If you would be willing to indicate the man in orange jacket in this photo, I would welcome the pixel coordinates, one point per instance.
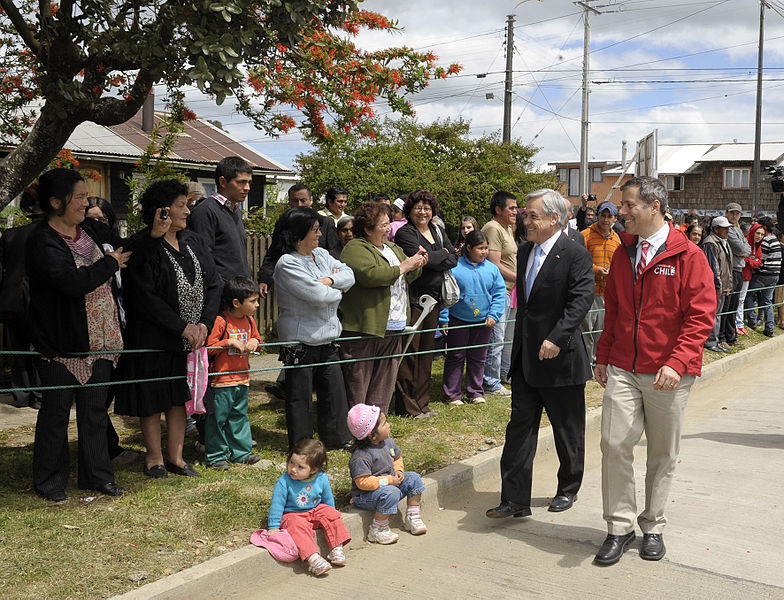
(660, 305)
(602, 242)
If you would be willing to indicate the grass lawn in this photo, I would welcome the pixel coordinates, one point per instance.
(107, 546)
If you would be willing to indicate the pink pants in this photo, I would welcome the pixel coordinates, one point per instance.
(302, 525)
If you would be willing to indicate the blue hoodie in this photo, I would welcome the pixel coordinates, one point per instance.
(482, 292)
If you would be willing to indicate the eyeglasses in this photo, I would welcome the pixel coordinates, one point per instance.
(423, 208)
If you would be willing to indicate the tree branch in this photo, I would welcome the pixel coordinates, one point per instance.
(45, 9)
(21, 26)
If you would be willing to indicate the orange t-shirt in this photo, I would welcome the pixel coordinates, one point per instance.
(228, 359)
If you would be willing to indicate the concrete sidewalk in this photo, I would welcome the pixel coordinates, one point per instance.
(723, 540)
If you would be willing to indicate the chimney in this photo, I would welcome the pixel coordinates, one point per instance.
(148, 113)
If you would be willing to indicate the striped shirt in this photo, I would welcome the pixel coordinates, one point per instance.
(771, 257)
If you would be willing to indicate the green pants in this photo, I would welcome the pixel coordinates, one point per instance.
(227, 432)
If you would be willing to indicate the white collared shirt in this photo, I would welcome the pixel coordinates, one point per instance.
(656, 241)
(546, 246)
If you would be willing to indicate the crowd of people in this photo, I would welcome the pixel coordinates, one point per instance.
(548, 298)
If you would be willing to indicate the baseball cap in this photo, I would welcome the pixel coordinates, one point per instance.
(720, 222)
(734, 206)
(607, 205)
(280, 545)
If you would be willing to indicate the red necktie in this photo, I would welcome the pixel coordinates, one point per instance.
(643, 259)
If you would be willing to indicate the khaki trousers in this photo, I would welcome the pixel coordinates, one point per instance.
(631, 406)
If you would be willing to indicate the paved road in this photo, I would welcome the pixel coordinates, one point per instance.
(723, 539)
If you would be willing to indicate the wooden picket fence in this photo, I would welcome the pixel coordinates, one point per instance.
(267, 317)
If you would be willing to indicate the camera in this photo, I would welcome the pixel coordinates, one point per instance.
(776, 173)
(591, 197)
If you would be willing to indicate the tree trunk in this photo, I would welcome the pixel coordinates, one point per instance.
(33, 155)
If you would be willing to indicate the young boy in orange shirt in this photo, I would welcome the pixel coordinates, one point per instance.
(234, 336)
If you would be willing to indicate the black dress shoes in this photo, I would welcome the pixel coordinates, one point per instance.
(652, 546)
(156, 471)
(562, 502)
(508, 509)
(613, 548)
(58, 496)
(186, 471)
(110, 489)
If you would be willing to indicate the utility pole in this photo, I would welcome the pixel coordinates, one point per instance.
(585, 182)
(507, 131)
(755, 189)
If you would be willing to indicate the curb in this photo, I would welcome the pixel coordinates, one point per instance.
(233, 573)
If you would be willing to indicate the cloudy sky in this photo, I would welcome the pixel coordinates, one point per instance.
(685, 67)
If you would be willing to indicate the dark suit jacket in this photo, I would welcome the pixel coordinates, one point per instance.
(575, 236)
(560, 298)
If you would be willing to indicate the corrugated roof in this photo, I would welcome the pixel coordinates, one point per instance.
(679, 158)
(90, 138)
(769, 151)
(201, 142)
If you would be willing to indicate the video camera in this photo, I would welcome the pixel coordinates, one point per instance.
(776, 173)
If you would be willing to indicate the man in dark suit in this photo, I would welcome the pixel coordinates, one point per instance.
(549, 363)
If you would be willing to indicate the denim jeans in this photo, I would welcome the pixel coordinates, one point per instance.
(763, 298)
(385, 499)
(492, 377)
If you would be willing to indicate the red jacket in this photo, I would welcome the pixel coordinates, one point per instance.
(665, 316)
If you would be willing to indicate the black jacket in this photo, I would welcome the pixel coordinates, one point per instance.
(560, 298)
(440, 258)
(150, 293)
(223, 231)
(57, 320)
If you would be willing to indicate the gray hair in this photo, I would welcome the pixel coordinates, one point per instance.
(552, 204)
(650, 189)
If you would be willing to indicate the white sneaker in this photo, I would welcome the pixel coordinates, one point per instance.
(502, 392)
(415, 524)
(337, 556)
(317, 565)
(382, 536)
(478, 400)
(457, 402)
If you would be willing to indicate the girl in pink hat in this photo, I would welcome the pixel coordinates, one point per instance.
(379, 479)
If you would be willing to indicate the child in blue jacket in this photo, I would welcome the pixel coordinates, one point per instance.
(482, 302)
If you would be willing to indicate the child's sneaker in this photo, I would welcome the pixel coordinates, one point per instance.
(317, 565)
(382, 536)
(415, 524)
(337, 556)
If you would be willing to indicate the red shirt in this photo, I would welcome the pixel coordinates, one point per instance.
(226, 358)
(665, 316)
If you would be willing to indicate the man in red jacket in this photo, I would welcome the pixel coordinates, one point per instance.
(660, 305)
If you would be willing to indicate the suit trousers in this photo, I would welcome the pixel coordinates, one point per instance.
(370, 381)
(413, 378)
(301, 526)
(593, 321)
(50, 453)
(565, 408)
(332, 408)
(631, 406)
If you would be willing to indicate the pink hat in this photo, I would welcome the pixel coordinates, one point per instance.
(280, 545)
(362, 418)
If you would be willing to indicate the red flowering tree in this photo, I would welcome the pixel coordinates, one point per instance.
(79, 60)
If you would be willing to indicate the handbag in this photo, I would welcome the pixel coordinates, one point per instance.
(450, 291)
(198, 381)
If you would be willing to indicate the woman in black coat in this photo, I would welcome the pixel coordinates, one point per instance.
(73, 322)
(420, 233)
(171, 292)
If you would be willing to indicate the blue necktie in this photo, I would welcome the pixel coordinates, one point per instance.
(531, 277)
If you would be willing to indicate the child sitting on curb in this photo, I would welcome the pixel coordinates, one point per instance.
(379, 480)
(302, 501)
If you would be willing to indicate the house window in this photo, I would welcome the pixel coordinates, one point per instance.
(563, 174)
(574, 182)
(209, 186)
(736, 178)
(674, 183)
(596, 174)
